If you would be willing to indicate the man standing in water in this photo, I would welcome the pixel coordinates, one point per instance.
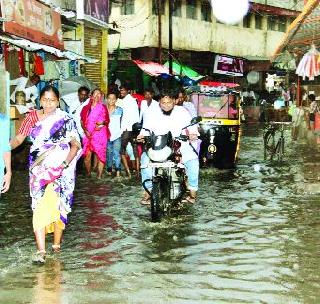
(130, 116)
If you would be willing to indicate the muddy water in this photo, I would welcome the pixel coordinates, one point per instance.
(253, 237)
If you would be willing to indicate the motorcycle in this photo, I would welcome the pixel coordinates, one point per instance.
(168, 173)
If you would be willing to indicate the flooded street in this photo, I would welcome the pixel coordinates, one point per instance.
(253, 237)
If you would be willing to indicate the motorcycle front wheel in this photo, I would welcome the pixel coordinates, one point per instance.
(157, 195)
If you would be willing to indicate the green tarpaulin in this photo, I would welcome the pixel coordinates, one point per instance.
(183, 70)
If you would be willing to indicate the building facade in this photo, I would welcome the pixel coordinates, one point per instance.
(197, 35)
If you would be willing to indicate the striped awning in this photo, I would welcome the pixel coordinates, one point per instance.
(302, 32)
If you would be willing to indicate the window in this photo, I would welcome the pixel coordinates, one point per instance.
(272, 23)
(205, 11)
(247, 21)
(155, 8)
(192, 9)
(127, 7)
(177, 4)
(258, 22)
(282, 24)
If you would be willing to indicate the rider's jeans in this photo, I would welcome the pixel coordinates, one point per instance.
(192, 171)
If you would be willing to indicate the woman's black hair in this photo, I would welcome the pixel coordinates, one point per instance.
(96, 89)
(50, 88)
(115, 93)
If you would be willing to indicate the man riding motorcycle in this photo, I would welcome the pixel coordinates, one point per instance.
(169, 117)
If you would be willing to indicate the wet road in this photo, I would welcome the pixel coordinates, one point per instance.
(253, 237)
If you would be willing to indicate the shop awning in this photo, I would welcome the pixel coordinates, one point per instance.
(151, 68)
(302, 32)
(183, 70)
(216, 84)
(33, 47)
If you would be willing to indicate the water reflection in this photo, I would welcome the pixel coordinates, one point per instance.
(252, 238)
(47, 284)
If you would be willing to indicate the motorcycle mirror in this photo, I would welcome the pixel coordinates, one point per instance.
(196, 120)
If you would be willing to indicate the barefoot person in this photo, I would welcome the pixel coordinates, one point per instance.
(53, 156)
(95, 121)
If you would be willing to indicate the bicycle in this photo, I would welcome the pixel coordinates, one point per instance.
(274, 141)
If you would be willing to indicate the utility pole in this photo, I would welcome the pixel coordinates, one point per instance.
(159, 31)
(170, 35)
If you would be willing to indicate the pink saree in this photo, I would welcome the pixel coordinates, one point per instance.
(97, 142)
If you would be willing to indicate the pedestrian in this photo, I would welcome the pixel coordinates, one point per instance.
(129, 118)
(53, 155)
(183, 100)
(114, 144)
(95, 121)
(313, 109)
(148, 103)
(5, 155)
(81, 100)
(29, 87)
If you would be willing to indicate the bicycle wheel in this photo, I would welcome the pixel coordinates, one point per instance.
(269, 144)
(280, 149)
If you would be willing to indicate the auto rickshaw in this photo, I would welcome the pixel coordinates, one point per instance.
(219, 107)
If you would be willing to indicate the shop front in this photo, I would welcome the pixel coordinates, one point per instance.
(33, 55)
(94, 31)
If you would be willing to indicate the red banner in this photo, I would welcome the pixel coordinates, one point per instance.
(32, 20)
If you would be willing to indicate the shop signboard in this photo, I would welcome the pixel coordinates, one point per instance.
(228, 65)
(95, 11)
(32, 20)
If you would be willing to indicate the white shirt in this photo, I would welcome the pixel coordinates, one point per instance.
(20, 83)
(115, 123)
(72, 101)
(76, 115)
(130, 113)
(161, 124)
(154, 105)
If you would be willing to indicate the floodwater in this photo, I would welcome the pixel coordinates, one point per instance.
(253, 237)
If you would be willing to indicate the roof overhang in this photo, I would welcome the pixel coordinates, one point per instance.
(33, 47)
(302, 32)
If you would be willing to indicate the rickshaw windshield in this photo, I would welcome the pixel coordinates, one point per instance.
(216, 106)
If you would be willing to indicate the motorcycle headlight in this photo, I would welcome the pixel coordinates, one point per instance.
(159, 155)
(206, 127)
(212, 131)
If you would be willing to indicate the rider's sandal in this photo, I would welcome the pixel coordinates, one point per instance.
(189, 199)
(56, 248)
(39, 257)
(146, 201)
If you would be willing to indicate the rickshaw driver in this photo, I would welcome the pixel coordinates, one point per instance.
(170, 117)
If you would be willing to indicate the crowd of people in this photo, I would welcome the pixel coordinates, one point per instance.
(100, 130)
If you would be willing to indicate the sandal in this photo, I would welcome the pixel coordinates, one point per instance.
(39, 257)
(56, 248)
(146, 201)
(189, 199)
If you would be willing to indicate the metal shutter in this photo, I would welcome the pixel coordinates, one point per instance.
(93, 70)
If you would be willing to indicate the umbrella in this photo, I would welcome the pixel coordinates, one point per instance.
(151, 68)
(309, 66)
(73, 83)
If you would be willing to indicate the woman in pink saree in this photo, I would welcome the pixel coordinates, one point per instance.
(95, 121)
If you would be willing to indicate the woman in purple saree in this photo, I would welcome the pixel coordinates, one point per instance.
(53, 156)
